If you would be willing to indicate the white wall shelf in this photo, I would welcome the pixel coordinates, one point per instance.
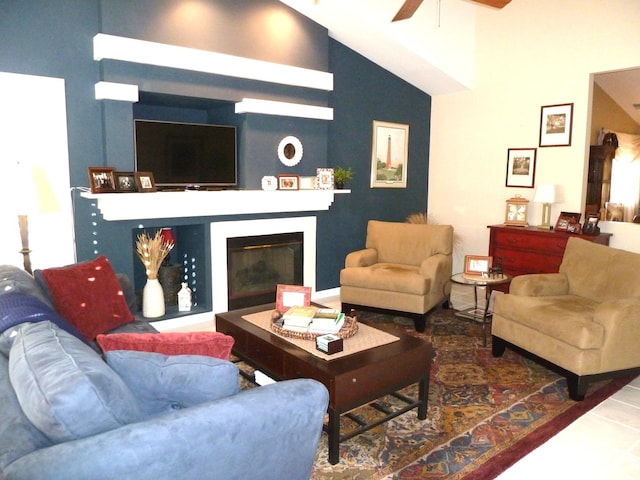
(140, 206)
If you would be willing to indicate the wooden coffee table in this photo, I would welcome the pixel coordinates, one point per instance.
(352, 380)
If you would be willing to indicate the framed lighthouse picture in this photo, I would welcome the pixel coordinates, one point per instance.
(389, 155)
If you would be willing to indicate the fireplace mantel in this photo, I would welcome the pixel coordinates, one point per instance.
(137, 206)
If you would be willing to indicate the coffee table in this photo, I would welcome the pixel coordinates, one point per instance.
(352, 381)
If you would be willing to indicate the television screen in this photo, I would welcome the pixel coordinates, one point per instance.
(186, 154)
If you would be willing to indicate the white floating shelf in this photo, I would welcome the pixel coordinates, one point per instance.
(140, 206)
(160, 54)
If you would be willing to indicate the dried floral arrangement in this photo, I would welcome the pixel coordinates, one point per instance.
(152, 251)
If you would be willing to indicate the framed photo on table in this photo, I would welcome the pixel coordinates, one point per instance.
(288, 296)
(477, 265)
(566, 219)
(555, 125)
(102, 179)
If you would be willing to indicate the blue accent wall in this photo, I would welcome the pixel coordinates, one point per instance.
(363, 92)
(55, 39)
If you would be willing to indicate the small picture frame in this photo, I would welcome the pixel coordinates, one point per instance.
(324, 178)
(308, 183)
(555, 125)
(288, 182)
(288, 296)
(477, 265)
(565, 219)
(521, 167)
(126, 182)
(102, 179)
(145, 182)
(590, 226)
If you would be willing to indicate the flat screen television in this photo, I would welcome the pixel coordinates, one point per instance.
(186, 155)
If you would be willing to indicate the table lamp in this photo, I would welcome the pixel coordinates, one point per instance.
(546, 195)
(35, 196)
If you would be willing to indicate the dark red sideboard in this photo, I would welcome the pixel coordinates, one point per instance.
(523, 250)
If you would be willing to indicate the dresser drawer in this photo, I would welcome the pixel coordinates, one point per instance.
(518, 262)
(266, 355)
(539, 243)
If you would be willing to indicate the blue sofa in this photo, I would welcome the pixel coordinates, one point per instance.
(67, 412)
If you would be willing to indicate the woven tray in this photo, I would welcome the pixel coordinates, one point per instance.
(349, 329)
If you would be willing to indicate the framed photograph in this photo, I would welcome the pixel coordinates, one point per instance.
(126, 182)
(102, 179)
(145, 182)
(521, 167)
(477, 265)
(555, 125)
(288, 296)
(590, 226)
(269, 182)
(565, 219)
(288, 182)
(324, 178)
(389, 155)
(308, 183)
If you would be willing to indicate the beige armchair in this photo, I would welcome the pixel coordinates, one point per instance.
(405, 268)
(583, 321)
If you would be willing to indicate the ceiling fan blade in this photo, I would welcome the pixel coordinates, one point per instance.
(407, 10)
(493, 3)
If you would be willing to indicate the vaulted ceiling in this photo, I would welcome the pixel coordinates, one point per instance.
(432, 50)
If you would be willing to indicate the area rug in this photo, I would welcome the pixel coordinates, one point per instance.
(484, 413)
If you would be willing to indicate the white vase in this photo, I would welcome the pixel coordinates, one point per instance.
(152, 299)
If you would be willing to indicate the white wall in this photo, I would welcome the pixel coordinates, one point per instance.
(529, 54)
(33, 133)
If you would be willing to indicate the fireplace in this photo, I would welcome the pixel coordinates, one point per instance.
(256, 264)
(260, 267)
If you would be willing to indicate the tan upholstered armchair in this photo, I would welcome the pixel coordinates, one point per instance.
(405, 268)
(583, 321)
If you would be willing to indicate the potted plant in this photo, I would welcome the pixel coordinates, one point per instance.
(341, 176)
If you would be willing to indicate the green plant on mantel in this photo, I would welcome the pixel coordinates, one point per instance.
(341, 176)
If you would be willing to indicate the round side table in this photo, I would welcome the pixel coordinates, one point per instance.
(489, 283)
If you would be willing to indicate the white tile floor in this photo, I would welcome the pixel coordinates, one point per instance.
(602, 444)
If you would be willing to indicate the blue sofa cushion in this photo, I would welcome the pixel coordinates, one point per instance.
(17, 308)
(168, 382)
(18, 436)
(64, 387)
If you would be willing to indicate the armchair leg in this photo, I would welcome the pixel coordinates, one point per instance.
(498, 346)
(577, 386)
(420, 323)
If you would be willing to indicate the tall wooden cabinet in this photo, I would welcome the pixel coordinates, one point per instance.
(599, 178)
(522, 250)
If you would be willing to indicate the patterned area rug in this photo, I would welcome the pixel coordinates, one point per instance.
(481, 410)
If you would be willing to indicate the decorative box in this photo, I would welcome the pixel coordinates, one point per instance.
(329, 343)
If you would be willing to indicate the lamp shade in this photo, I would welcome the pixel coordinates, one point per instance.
(545, 193)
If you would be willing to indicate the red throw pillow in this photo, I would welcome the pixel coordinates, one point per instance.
(210, 344)
(89, 296)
